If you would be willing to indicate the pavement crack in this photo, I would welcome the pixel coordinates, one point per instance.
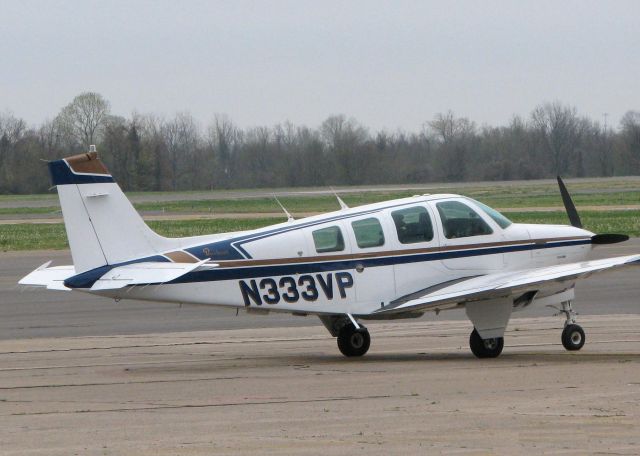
(224, 404)
(141, 382)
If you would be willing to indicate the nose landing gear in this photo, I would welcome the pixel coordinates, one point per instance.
(573, 337)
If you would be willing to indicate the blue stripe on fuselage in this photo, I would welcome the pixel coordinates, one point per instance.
(248, 272)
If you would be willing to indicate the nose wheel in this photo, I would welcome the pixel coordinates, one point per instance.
(353, 341)
(572, 335)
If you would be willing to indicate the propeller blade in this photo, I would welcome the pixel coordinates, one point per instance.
(574, 218)
(611, 238)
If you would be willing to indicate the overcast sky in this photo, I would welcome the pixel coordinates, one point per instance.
(388, 64)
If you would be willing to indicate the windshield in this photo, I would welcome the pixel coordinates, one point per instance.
(497, 217)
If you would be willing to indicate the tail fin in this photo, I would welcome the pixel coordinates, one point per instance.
(102, 225)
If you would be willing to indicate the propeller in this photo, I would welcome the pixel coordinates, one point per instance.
(572, 212)
(574, 219)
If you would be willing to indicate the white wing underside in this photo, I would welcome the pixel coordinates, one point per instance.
(503, 285)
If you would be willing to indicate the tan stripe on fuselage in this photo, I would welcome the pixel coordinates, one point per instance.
(387, 253)
(180, 256)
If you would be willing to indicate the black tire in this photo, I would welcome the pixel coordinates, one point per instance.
(573, 337)
(352, 341)
(485, 348)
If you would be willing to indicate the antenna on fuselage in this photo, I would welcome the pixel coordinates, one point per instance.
(289, 216)
(342, 204)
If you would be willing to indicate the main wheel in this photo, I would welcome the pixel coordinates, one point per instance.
(573, 337)
(352, 341)
(485, 348)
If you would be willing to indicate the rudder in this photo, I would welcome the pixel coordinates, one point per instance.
(102, 225)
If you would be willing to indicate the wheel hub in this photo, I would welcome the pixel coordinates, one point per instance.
(490, 344)
(576, 338)
(357, 340)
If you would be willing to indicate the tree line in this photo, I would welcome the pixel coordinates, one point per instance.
(152, 153)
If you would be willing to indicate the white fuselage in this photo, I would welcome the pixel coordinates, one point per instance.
(304, 267)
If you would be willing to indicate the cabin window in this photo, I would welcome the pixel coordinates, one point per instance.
(459, 220)
(368, 232)
(413, 225)
(497, 217)
(328, 239)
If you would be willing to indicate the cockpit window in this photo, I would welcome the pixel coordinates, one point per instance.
(413, 225)
(368, 232)
(328, 239)
(459, 220)
(497, 217)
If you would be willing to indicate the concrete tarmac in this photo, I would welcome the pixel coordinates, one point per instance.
(289, 392)
(40, 313)
(84, 375)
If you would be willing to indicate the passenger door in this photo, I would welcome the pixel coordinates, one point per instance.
(374, 276)
(477, 236)
(417, 265)
(331, 284)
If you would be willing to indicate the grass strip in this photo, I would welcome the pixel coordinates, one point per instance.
(302, 204)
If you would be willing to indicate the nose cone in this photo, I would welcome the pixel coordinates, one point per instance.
(556, 231)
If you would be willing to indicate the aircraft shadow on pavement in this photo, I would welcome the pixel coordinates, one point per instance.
(315, 361)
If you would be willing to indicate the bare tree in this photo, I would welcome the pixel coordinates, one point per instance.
(12, 127)
(150, 153)
(181, 137)
(455, 135)
(447, 127)
(344, 137)
(49, 136)
(630, 138)
(560, 129)
(85, 117)
(222, 136)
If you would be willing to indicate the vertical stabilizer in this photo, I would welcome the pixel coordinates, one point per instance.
(102, 225)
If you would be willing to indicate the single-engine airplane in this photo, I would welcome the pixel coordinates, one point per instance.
(390, 260)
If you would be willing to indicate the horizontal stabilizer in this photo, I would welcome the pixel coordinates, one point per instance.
(145, 273)
(50, 278)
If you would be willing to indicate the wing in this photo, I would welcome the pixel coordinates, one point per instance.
(501, 285)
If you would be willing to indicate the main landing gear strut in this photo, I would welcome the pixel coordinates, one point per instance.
(572, 335)
(353, 341)
(353, 338)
